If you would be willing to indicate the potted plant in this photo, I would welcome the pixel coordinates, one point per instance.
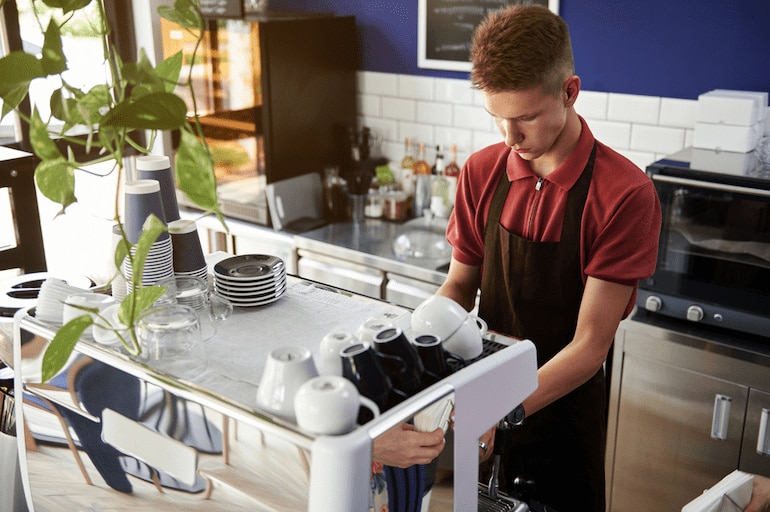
(138, 97)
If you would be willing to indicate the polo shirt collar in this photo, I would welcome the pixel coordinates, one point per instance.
(568, 172)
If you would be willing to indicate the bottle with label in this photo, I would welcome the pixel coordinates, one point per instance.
(439, 161)
(422, 187)
(439, 198)
(452, 172)
(407, 168)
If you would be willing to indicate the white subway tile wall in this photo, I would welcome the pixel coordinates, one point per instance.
(448, 111)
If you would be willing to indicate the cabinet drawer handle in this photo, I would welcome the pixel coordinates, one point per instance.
(763, 439)
(721, 417)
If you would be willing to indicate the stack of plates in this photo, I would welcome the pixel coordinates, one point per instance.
(250, 279)
(159, 263)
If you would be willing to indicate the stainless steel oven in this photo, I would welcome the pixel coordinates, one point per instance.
(714, 256)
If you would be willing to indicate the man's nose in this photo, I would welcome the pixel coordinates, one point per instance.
(511, 133)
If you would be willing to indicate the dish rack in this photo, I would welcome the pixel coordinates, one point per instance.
(337, 468)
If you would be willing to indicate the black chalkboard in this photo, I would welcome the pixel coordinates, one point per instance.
(446, 28)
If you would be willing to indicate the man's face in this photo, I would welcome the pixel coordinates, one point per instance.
(530, 120)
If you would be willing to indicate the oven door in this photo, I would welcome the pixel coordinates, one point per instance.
(714, 255)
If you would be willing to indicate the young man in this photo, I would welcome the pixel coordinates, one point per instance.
(556, 229)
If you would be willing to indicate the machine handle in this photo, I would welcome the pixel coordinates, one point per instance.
(721, 417)
(763, 438)
(722, 187)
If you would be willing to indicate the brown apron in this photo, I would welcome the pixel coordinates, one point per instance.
(533, 290)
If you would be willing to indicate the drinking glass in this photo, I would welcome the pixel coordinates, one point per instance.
(171, 341)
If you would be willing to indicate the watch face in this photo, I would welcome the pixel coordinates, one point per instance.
(517, 416)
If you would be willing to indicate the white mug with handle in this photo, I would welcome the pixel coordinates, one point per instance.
(329, 404)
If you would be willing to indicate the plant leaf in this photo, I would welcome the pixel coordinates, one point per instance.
(42, 145)
(62, 345)
(67, 5)
(154, 111)
(169, 70)
(141, 299)
(91, 105)
(143, 76)
(195, 172)
(183, 13)
(53, 60)
(17, 70)
(56, 181)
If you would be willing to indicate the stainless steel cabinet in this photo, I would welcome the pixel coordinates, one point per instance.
(684, 412)
(341, 274)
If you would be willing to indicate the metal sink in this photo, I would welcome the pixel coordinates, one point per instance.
(423, 238)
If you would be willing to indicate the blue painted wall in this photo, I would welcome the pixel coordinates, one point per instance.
(671, 48)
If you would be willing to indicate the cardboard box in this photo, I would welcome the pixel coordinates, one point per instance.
(739, 108)
(725, 137)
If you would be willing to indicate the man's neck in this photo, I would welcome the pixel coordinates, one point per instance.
(562, 147)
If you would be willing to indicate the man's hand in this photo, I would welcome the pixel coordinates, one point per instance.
(402, 446)
(760, 497)
(486, 444)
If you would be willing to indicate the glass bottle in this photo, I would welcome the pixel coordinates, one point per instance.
(335, 195)
(422, 186)
(440, 204)
(452, 169)
(439, 163)
(420, 164)
(406, 180)
(452, 173)
(408, 161)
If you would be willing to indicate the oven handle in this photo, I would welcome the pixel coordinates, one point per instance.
(711, 185)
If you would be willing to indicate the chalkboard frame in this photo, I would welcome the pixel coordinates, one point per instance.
(451, 63)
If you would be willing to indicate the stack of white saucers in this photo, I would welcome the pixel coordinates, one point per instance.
(53, 292)
(250, 279)
(159, 263)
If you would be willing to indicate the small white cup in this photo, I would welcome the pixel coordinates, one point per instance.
(107, 333)
(329, 350)
(438, 315)
(371, 327)
(329, 404)
(74, 303)
(467, 341)
(286, 369)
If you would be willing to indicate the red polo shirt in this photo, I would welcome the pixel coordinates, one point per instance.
(621, 218)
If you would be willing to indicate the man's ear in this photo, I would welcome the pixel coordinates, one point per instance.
(571, 90)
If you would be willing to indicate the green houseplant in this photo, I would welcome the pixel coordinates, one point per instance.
(138, 97)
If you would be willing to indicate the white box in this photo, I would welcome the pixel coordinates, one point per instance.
(723, 162)
(725, 137)
(730, 107)
(761, 97)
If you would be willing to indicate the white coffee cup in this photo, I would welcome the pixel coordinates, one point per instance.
(371, 327)
(467, 341)
(329, 405)
(286, 369)
(331, 344)
(438, 315)
(461, 332)
(108, 329)
(73, 305)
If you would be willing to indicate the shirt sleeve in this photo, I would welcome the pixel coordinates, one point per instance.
(625, 249)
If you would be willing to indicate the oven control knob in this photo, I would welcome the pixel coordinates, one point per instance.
(653, 303)
(695, 313)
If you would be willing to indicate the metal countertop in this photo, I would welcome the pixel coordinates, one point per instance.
(370, 243)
